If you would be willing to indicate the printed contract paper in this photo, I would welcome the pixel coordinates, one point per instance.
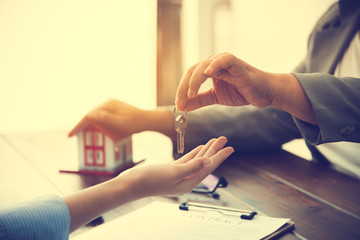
(160, 220)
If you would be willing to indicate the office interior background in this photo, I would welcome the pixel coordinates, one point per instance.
(60, 59)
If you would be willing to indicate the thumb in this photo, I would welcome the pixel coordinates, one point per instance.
(195, 166)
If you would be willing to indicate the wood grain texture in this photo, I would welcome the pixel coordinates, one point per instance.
(283, 185)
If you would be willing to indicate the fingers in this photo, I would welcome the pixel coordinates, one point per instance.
(93, 116)
(105, 120)
(187, 157)
(190, 84)
(216, 147)
(218, 64)
(201, 100)
(215, 152)
(181, 94)
(196, 76)
(191, 173)
(215, 161)
(207, 150)
(202, 152)
(209, 165)
(220, 156)
(212, 147)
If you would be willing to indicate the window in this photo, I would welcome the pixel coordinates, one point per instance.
(98, 139)
(81, 54)
(89, 157)
(88, 138)
(99, 158)
(94, 147)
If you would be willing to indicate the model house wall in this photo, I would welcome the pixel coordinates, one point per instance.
(96, 151)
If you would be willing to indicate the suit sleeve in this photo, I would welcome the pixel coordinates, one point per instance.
(336, 103)
(248, 129)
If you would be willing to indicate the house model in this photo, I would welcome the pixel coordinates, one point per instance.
(99, 153)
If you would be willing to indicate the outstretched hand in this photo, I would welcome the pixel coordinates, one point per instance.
(180, 176)
(174, 178)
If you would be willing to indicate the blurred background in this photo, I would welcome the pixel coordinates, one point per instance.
(60, 59)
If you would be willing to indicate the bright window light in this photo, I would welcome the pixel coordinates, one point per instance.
(60, 59)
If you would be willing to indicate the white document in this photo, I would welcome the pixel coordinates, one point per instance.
(160, 220)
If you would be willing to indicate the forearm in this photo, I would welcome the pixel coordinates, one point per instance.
(336, 104)
(248, 129)
(160, 120)
(290, 97)
(173, 178)
(90, 203)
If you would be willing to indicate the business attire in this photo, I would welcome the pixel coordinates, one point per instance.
(336, 101)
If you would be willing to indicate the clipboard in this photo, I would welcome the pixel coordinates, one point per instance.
(243, 214)
(287, 227)
(172, 223)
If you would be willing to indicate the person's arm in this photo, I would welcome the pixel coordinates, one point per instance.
(236, 83)
(175, 178)
(336, 103)
(46, 217)
(54, 218)
(248, 129)
(290, 97)
(258, 130)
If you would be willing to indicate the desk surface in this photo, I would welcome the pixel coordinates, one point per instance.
(323, 203)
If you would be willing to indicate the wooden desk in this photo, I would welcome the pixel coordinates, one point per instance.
(323, 203)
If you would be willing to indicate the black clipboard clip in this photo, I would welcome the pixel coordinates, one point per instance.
(244, 214)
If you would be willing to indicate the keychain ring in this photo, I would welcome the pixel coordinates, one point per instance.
(180, 111)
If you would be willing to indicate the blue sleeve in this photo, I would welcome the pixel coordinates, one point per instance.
(43, 218)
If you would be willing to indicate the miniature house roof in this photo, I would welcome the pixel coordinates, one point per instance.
(93, 126)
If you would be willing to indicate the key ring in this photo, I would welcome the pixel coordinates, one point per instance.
(180, 111)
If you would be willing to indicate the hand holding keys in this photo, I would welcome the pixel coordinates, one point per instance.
(180, 127)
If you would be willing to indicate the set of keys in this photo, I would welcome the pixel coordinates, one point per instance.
(180, 127)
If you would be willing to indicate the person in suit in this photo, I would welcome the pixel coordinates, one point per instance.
(328, 77)
(319, 101)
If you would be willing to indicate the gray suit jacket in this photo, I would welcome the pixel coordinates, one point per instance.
(336, 101)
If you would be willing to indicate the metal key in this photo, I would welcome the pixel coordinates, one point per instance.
(180, 127)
